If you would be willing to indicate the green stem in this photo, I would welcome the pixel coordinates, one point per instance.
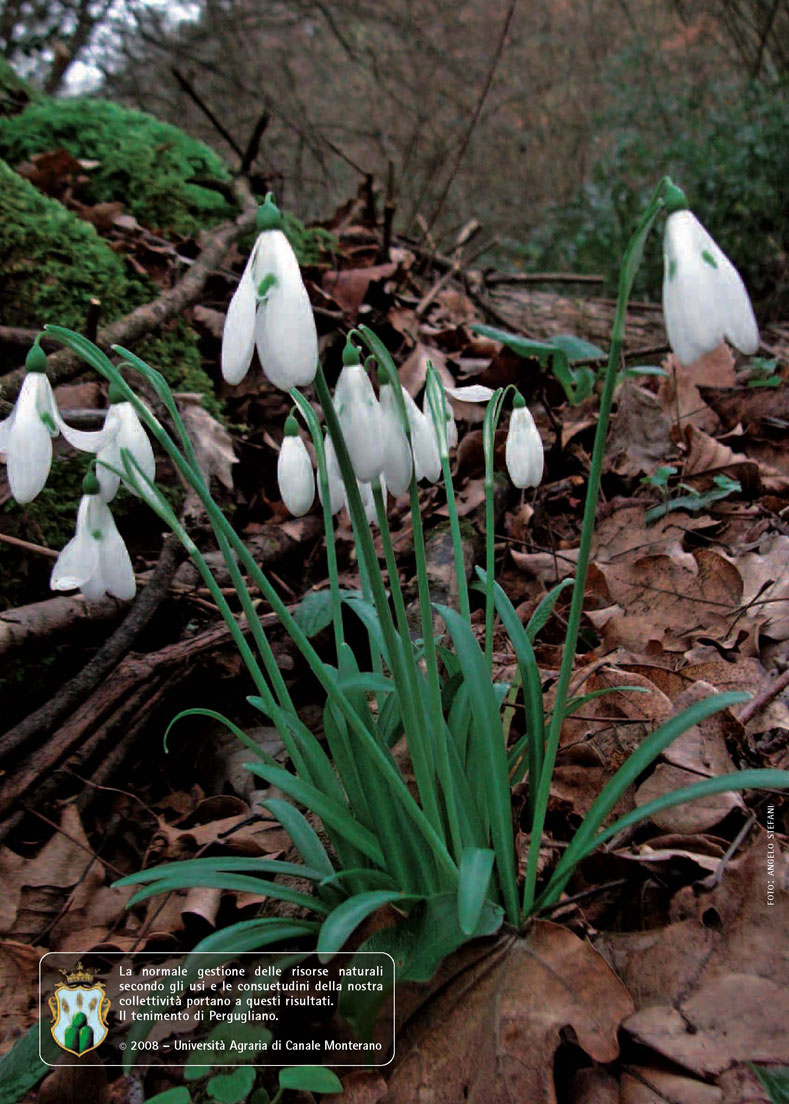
(396, 646)
(492, 415)
(438, 412)
(314, 426)
(630, 264)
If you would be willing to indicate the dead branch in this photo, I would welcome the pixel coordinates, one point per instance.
(53, 617)
(65, 365)
(48, 715)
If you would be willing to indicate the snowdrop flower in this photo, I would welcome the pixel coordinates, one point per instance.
(523, 451)
(398, 461)
(336, 485)
(26, 434)
(427, 462)
(294, 471)
(127, 433)
(359, 414)
(704, 298)
(271, 309)
(95, 560)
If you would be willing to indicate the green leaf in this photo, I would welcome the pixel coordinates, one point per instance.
(645, 370)
(310, 1079)
(340, 924)
(544, 610)
(21, 1068)
(633, 766)
(314, 613)
(577, 348)
(251, 935)
(233, 1087)
(239, 733)
(418, 945)
(331, 812)
(775, 1080)
(476, 867)
(493, 764)
(221, 864)
(179, 1095)
(303, 836)
(239, 883)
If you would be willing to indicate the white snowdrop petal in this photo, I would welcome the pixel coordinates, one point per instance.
(427, 461)
(29, 441)
(109, 482)
(359, 414)
(473, 393)
(398, 461)
(285, 334)
(238, 336)
(115, 574)
(704, 298)
(336, 486)
(294, 475)
(93, 440)
(78, 561)
(740, 325)
(523, 451)
(132, 436)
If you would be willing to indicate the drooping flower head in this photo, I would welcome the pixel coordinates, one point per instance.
(427, 461)
(271, 309)
(359, 415)
(26, 434)
(95, 560)
(127, 433)
(334, 477)
(704, 298)
(294, 471)
(398, 461)
(523, 451)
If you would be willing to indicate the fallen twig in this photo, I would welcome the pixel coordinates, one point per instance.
(756, 705)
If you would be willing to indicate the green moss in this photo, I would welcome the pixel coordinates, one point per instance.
(15, 94)
(153, 168)
(176, 355)
(53, 263)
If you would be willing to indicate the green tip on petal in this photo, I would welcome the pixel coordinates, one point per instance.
(36, 359)
(518, 401)
(675, 199)
(291, 427)
(90, 484)
(269, 216)
(350, 354)
(115, 394)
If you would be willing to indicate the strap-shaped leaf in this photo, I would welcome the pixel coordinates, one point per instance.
(493, 763)
(303, 836)
(739, 780)
(476, 867)
(331, 812)
(343, 921)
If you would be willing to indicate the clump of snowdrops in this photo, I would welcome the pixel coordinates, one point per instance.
(444, 855)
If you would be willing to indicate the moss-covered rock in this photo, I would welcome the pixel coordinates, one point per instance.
(157, 172)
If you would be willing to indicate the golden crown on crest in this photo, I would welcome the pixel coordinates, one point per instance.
(78, 976)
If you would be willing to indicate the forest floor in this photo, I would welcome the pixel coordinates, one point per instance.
(688, 593)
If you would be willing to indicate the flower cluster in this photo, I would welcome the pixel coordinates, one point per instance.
(96, 560)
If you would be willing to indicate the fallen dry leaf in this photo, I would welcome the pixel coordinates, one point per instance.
(736, 1018)
(494, 1041)
(693, 816)
(641, 1085)
(212, 443)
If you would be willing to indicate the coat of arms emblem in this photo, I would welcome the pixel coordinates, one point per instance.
(79, 1012)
